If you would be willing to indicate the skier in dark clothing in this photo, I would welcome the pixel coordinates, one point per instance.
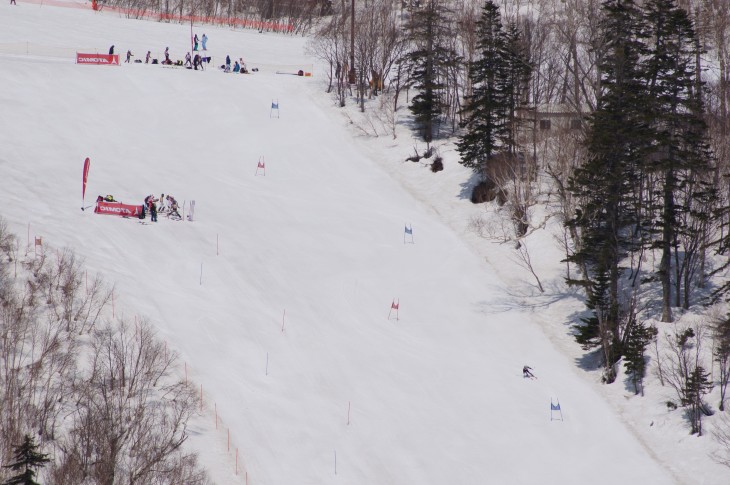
(527, 372)
(111, 51)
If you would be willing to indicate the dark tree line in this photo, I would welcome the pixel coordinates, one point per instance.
(646, 184)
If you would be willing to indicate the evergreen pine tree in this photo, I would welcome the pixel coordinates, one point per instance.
(588, 333)
(637, 338)
(518, 72)
(721, 335)
(27, 458)
(499, 76)
(603, 185)
(698, 384)
(429, 62)
(680, 155)
(485, 110)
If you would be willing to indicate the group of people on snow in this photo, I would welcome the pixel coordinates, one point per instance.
(167, 61)
(196, 61)
(238, 67)
(165, 204)
(203, 41)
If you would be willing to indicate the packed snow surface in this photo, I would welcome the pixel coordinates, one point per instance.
(279, 295)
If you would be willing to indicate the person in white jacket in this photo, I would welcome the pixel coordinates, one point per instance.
(162, 206)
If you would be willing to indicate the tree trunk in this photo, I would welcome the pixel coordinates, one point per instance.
(665, 264)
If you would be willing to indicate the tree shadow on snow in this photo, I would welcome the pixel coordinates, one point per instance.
(467, 187)
(591, 360)
(527, 297)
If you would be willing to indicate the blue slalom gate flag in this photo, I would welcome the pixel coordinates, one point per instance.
(409, 230)
(555, 408)
(274, 106)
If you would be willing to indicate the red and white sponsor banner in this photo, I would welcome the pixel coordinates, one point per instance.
(118, 209)
(98, 59)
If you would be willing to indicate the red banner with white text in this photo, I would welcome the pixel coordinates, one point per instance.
(118, 209)
(97, 59)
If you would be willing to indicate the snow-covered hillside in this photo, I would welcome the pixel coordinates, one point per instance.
(278, 295)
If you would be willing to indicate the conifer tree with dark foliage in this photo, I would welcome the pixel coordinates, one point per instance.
(27, 458)
(680, 154)
(429, 62)
(638, 336)
(721, 336)
(698, 384)
(602, 186)
(499, 77)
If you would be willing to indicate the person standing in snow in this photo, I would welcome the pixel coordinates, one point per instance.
(111, 50)
(147, 58)
(129, 56)
(12, 2)
(527, 372)
(228, 64)
(187, 59)
(151, 206)
(195, 42)
(204, 40)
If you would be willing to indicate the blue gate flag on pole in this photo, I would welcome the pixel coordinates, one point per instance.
(408, 231)
(274, 106)
(555, 409)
